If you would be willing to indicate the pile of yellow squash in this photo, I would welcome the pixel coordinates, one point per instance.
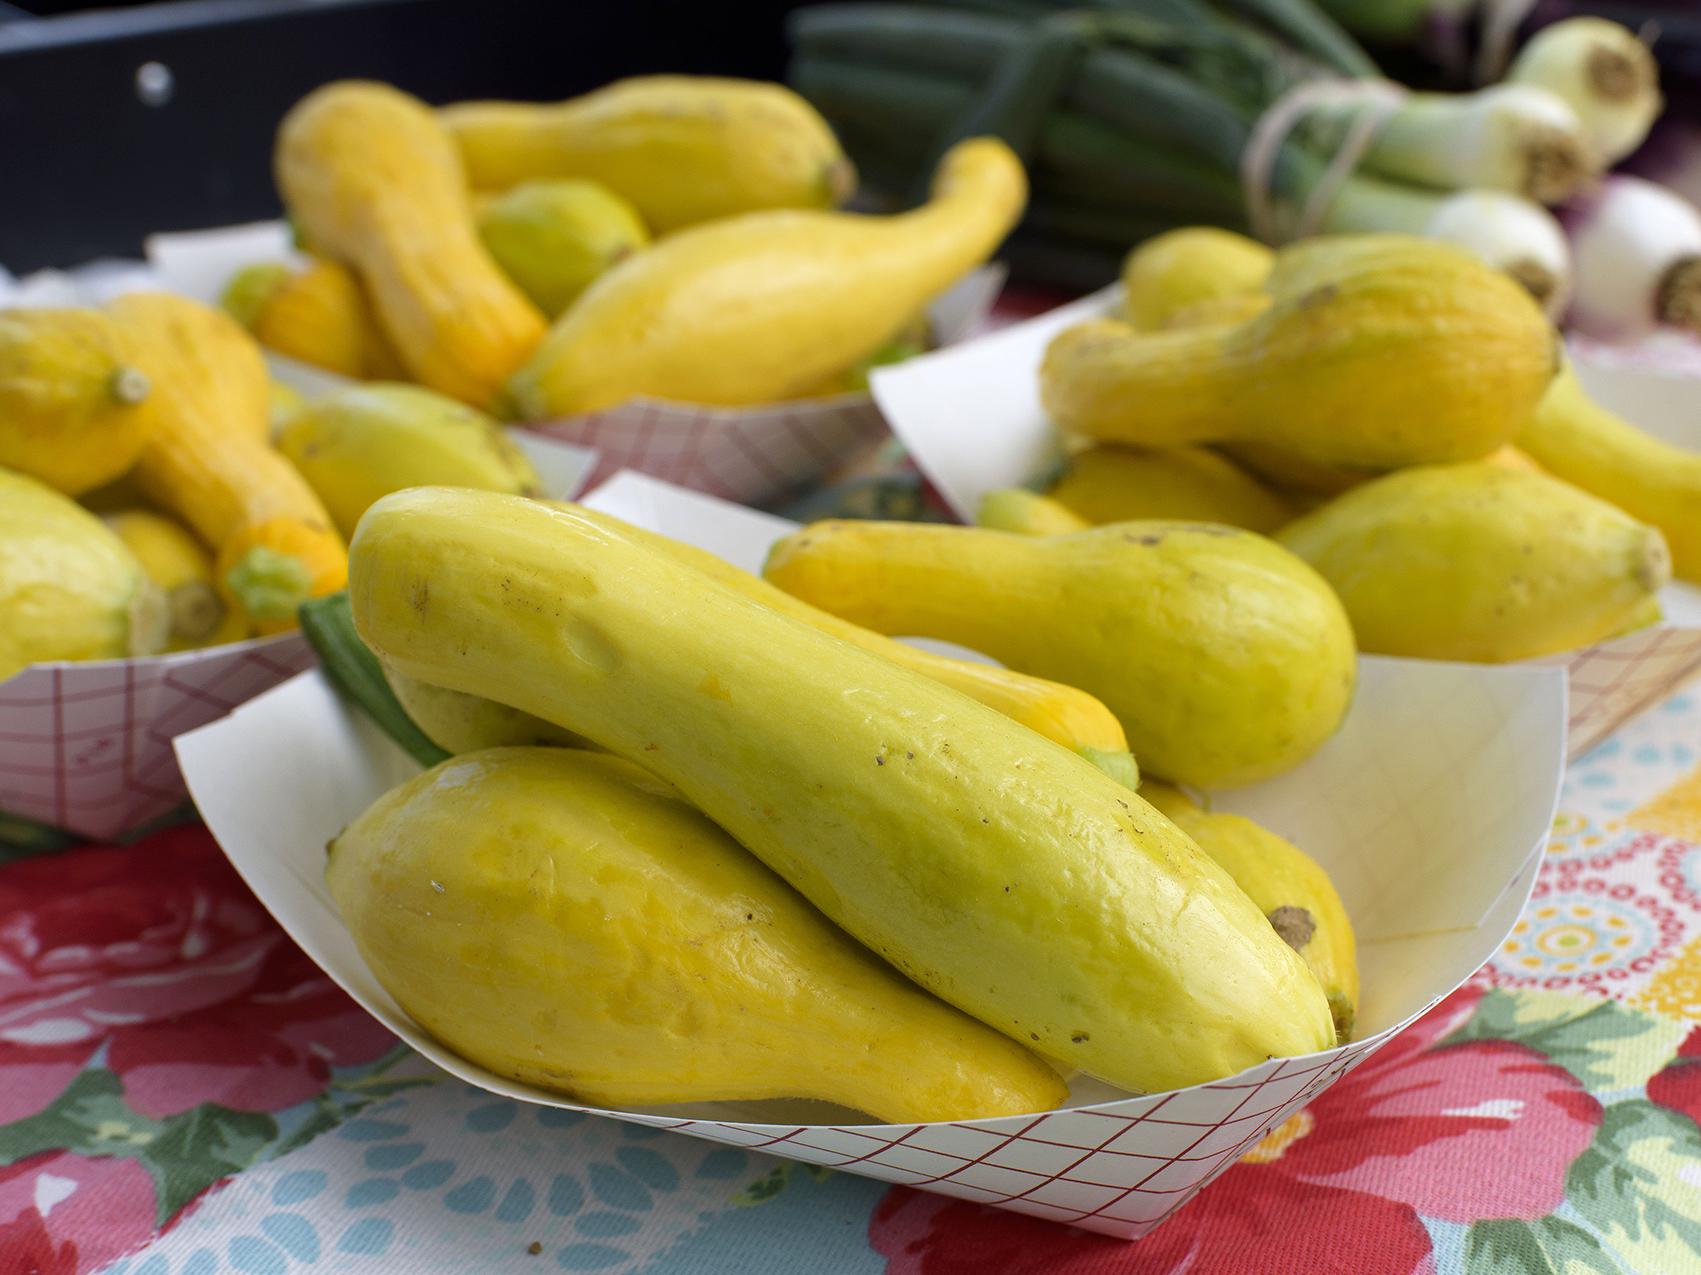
(1391, 411)
(669, 237)
(707, 835)
(155, 411)
(158, 499)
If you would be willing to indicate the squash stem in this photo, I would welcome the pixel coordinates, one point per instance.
(269, 585)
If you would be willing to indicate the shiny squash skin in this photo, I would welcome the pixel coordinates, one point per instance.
(566, 919)
(1225, 657)
(373, 181)
(999, 870)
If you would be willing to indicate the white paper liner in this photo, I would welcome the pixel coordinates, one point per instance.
(971, 418)
(86, 745)
(1430, 810)
(754, 455)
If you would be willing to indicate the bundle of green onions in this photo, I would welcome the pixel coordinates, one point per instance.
(1136, 116)
(1635, 239)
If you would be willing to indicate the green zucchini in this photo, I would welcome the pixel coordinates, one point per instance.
(328, 625)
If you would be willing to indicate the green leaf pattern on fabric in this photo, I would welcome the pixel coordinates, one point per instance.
(1639, 1186)
(201, 1146)
(1547, 1246)
(90, 1118)
(1635, 1192)
(1605, 1044)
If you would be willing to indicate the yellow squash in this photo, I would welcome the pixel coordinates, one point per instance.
(1027, 513)
(555, 238)
(1218, 311)
(461, 723)
(683, 149)
(69, 589)
(72, 406)
(373, 181)
(1371, 356)
(1225, 657)
(1061, 713)
(1119, 484)
(1290, 886)
(1188, 270)
(286, 401)
(1577, 439)
(318, 316)
(566, 920)
(1304, 484)
(769, 305)
(994, 867)
(1481, 562)
(1298, 480)
(210, 463)
(366, 441)
(183, 569)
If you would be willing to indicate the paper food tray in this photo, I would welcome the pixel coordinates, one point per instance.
(85, 745)
(1430, 810)
(754, 455)
(971, 418)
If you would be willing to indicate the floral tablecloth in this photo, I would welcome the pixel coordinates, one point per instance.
(182, 1093)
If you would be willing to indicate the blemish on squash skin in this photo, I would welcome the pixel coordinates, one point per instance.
(419, 594)
(711, 686)
(1295, 925)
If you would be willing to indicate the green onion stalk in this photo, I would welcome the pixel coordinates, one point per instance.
(1135, 117)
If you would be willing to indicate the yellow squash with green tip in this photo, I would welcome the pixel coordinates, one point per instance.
(210, 460)
(1481, 562)
(567, 920)
(994, 867)
(1226, 659)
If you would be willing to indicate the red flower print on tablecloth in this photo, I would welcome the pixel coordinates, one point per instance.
(65, 1214)
(1678, 1085)
(1339, 1187)
(160, 952)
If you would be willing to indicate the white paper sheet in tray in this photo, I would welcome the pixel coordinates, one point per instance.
(1430, 810)
(750, 454)
(971, 418)
(86, 745)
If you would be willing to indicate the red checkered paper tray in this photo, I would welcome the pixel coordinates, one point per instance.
(86, 745)
(754, 455)
(971, 418)
(1429, 809)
